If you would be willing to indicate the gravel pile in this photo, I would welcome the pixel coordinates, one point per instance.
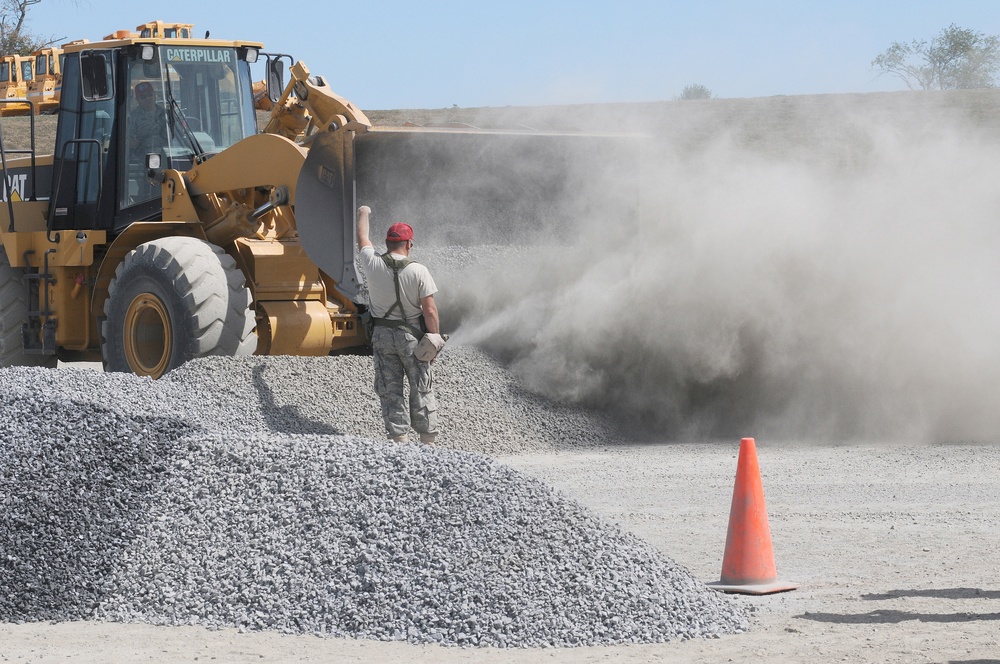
(481, 407)
(195, 500)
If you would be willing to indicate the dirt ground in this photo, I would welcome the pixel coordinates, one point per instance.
(895, 547)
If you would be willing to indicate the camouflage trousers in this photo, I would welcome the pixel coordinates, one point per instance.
(394, 364)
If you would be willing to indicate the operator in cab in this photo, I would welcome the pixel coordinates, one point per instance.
(406, 336)
(147, 123)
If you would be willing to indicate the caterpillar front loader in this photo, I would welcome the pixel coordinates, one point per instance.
(165, 227)
(46, 83)
(16, 73)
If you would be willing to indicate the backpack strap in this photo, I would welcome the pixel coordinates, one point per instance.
(397, 265)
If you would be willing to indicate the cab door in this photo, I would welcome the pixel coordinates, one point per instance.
(84, 142)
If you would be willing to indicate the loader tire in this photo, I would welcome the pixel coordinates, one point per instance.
(13, 314)
(171, 300)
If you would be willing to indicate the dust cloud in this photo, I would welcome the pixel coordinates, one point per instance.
(830, 283)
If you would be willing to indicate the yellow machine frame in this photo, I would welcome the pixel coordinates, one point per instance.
(46, 83)
(223, 201)
(15, 86)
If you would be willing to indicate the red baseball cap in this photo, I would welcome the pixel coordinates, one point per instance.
(399, 232)
(143, 90)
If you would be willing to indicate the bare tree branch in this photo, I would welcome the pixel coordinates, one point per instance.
(15, 38)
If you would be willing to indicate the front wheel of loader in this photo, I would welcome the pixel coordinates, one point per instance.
(13, 314)
(171, 300)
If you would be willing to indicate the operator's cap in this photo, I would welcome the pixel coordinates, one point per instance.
(143, 90)
(399, 232)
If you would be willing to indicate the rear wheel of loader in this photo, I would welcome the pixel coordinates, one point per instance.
(174, 299)
(13, 314)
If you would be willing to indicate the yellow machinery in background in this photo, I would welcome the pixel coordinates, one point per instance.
(46, 84)
(260, 99)
(16, 72)
(159, 29)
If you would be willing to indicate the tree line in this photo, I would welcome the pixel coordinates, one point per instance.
(954, 59)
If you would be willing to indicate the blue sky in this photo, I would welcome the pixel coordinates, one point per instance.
(434, 54)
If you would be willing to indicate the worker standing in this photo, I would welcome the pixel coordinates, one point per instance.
(401, 298)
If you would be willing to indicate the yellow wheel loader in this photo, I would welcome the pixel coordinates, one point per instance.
(46, 85)
(164, 227)
(16, 73)
(161, 228)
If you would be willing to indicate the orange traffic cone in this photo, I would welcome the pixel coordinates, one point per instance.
(748, 564)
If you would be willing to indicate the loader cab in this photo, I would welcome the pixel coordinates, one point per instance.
(8, 77)
(44, 89)
(182, 101)
(16, 72)
(166, 30)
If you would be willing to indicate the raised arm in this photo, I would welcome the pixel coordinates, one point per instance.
(363, 212)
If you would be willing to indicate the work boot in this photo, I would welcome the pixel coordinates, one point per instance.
(401, 438)
(428, 438)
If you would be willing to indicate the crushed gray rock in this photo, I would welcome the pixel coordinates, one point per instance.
(237, 492)
(481, 406)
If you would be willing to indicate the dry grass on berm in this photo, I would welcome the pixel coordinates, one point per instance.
(813, 123)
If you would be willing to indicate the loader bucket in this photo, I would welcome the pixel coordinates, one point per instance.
(324, 208)
(458, 187)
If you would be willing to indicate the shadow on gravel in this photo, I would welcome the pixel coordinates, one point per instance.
(973, 661)
(287, 419)
(892, 617)
(941, 593)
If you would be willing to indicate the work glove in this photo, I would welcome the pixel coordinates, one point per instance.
(428, 347)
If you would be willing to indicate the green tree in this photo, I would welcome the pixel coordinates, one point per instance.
(695, 91)
(15, 38)
(955, 59)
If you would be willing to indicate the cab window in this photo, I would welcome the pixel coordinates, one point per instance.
(145, 131)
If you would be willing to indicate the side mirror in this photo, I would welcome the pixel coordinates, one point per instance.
(275, 78)
(96, 76)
